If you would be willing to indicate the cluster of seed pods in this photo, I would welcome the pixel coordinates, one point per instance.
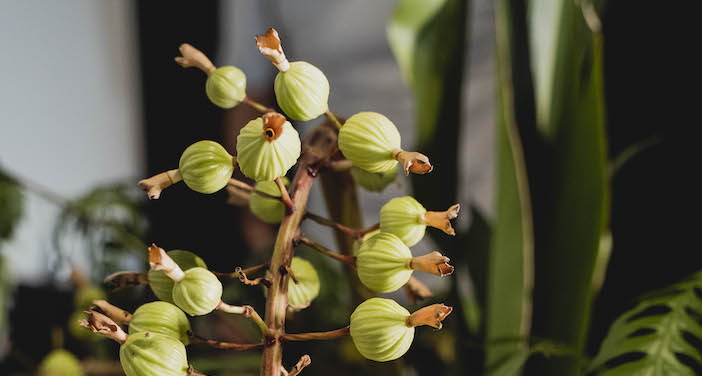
(266, 149)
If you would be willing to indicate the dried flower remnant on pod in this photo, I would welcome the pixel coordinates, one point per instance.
(408, 219)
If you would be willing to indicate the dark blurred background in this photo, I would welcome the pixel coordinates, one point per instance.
(91, 98)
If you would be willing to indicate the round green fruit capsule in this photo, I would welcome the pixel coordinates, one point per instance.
(206, 166)
(302, 91)
(404, 217)
(373, 181)
(198, 293)
(301, 294)
(163, 318)
(268, 209)
(370, 141)
(379, 329)
(383, 263)
(267, 147)
(60, 363)
(226, 86)
(357, 244)
(161, 284)
(84, 296)
(153, 354)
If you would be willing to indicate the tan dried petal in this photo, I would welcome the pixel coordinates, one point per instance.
(270, 47)
(433, 263)
(117, 314)
(159, 260)
(416, 290)
(412, 161)
(192, 57)
(155, 184)
(101, 324)
(273, 125)
(442, 220)
(431, 315)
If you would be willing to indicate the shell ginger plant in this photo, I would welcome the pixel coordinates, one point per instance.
(367, 144)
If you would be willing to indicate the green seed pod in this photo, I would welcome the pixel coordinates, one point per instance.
(267, 147)
(357, 244)
(408, 219)
(404, 217)
(370, 141)
(383, 263)
(226, 86)
(373, 181)
(379, 329)
(153, 354)
(206, 167)
(198, 293)
(60, 363)
(85, 295)
(268, 210)
(302, 91)
(301, 294)
(160, 317)
(159, 281)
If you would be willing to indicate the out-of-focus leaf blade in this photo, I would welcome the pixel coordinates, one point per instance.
(428, 40)
(11, 205)
(570, 192)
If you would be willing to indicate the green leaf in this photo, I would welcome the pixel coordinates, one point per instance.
(510, 263)
(663, 328)
(427, 38)
(568, 173)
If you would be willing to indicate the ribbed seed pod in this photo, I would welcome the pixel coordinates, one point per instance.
(267, 147)
(379, 329)
(369, 139)
(268, 210)
(163, 318)
(61, 363)
(226, 86)
(85, 295)
(147, 353)
(198, 293)
(206, 167)
(302, 91)
(301, 294)
(357, 244)
(159, 281)
(382, 263)
(404, 217)
(373, 181)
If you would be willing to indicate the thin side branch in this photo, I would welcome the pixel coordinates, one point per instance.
(120, 280)
(258, 106)
(247, 311)
(353, 233)
(317, 336)
(289, 206)
(333, 119)
(351, 260)
(301, 364)
(223, 345)
(237, 273)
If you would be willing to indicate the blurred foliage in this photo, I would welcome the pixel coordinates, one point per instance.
(661, 335)
(11, 205)
(108, 221)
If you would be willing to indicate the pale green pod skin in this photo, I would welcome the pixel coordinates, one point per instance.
(206, 167)
(373, 181)
(226, 86)
(267, 209)
(263, 160)
(368, 140)
(357, 244)
(60, 363)
(382, 263)
(301, 294)
(198, 293)
(161, 284)
(84, 297)
(404, 217)
(379, 329)
(163, 318)
(153, 354)
(302, 92)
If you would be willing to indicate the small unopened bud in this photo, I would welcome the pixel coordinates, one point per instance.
(153, 354)
(379, 329)
(198, 293)
(383, 263)
(206, 166)
(408, 219)
(157, 183)
(59, 363)
(368, 140)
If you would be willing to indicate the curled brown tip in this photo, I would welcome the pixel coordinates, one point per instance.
(433, 263)
(159, 260)
(117, 314)
(431, 315)
(412, 161)
(269, 45)
(442, 220)
(101, 324)
(192, 57)
(273, 125)
(304, 361)
(157, 183)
